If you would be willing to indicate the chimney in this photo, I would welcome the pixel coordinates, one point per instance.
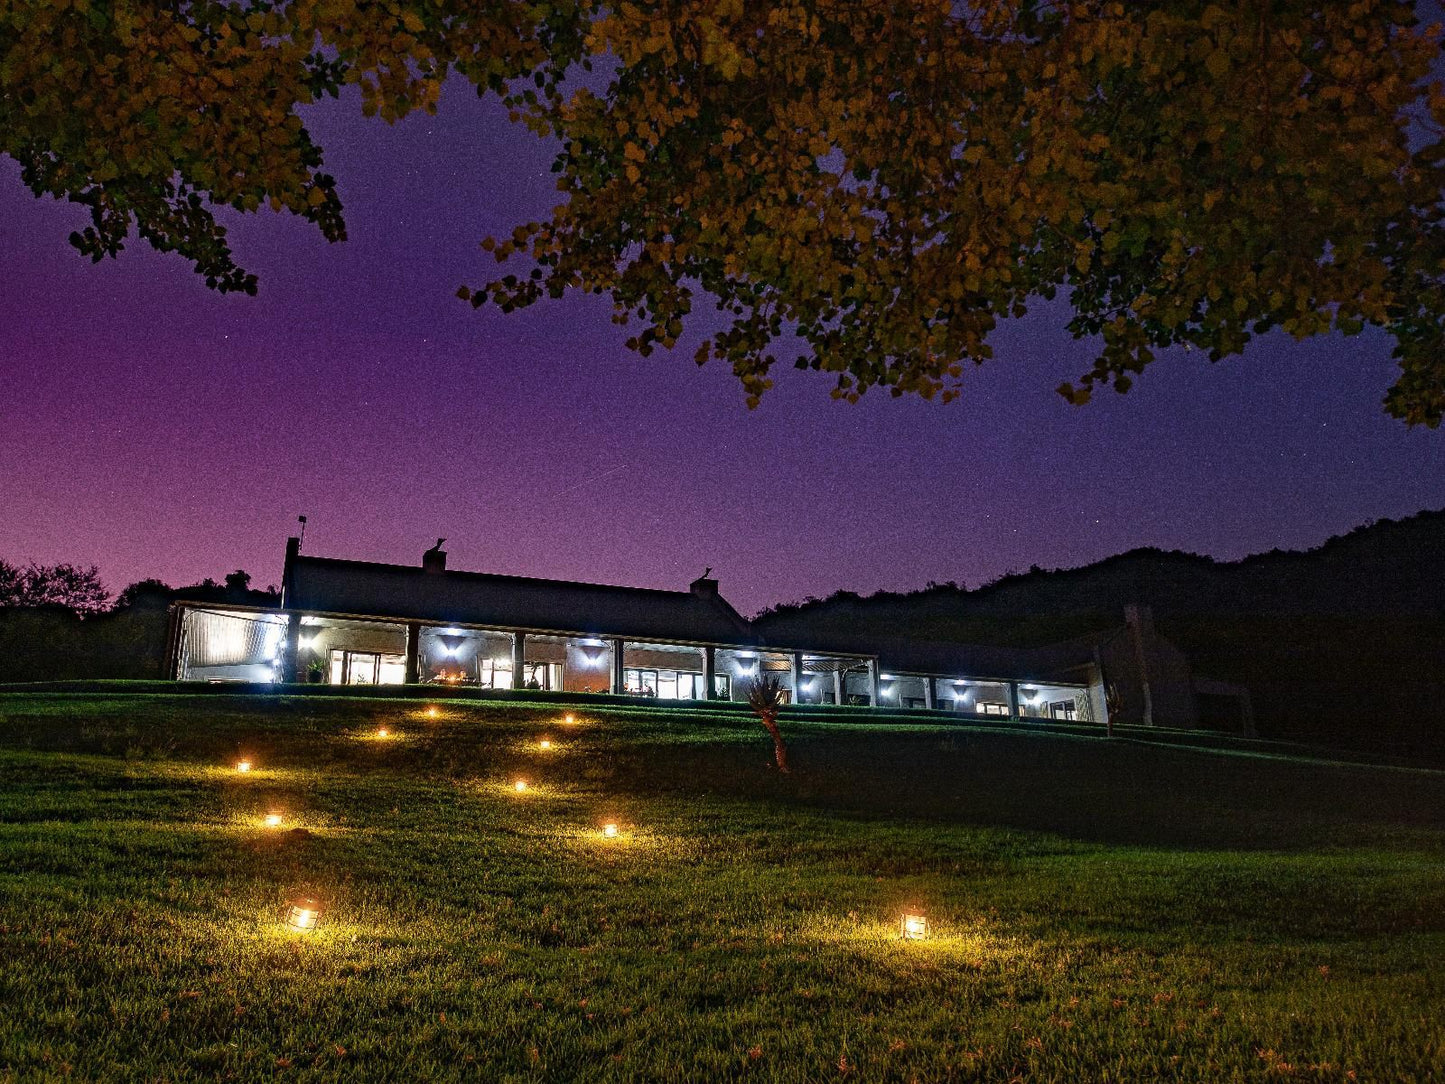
(1140, 621)
(435, 559)
(704, 586)
(293, 551)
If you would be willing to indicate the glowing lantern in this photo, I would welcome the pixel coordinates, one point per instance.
(520, 785)
(382, 732)
(305, 913)
(610, 831)
(545, 743)
(273, 820)
(431, 713)
(915, 927)
(243, 765)
(568, 719)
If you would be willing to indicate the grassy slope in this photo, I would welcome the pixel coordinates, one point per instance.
(1122, 912)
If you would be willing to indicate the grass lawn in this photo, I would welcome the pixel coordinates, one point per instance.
(1099, 911)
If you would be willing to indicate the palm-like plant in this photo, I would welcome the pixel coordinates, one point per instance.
(765, 697)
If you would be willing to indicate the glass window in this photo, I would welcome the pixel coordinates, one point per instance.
(541, 675)
(667, 684)
(1053, 702)
(690, 686)
(495, 675)
(722, 686)
(367, 668)
(639, 682)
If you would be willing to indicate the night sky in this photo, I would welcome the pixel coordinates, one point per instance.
(154, 428)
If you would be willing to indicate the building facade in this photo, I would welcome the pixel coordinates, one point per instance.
(360, 623)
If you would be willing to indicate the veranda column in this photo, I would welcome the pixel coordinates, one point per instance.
(618, 682)
(875, 690)
(928, 696)
(291, 653)
(1013, 699)
(795, 664)
(413, 653)
(519, 658)
(838, 686)
(709, 672)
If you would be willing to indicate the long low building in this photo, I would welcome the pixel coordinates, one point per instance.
(344, 622)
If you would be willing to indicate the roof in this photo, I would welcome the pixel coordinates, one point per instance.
(409, 593)
(1056, 662)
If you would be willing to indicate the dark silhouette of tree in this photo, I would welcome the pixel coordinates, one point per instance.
(141, 590)
(11, 581)
(68, 586)
(238, 582)
(880, 183)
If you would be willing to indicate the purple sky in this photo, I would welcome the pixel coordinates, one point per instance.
(154, 428)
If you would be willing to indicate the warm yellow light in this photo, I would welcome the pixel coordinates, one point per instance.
(431, 713)
(915, 927)
(382, 732)
(304, 914)
(568, 719)
(545, 743)
(273, 820)
(520, 785)
(609, 830)
(243, 765)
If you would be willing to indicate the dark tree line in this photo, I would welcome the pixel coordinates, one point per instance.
(69, 586)
(81, 590)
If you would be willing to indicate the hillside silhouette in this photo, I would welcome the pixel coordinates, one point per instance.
(1343, 643)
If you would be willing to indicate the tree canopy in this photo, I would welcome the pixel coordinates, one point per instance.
(68, 586)
(861, 187)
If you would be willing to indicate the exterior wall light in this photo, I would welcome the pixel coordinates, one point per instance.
(305, 913)
(915, 927)
(545, 743)
(609, 830)
(273, 819)
(431, 712)
(243, 765)
(520, 785)
(382, 732)
(568, 719)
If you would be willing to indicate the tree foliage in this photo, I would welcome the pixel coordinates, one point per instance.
(149, 589)
(151, 115)
(10, 584)
(69, 586)
(870, 185)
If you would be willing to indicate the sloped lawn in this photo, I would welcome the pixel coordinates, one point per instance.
(1098, 911)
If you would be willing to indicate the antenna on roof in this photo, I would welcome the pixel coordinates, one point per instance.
(302, 520)
(706, 572)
